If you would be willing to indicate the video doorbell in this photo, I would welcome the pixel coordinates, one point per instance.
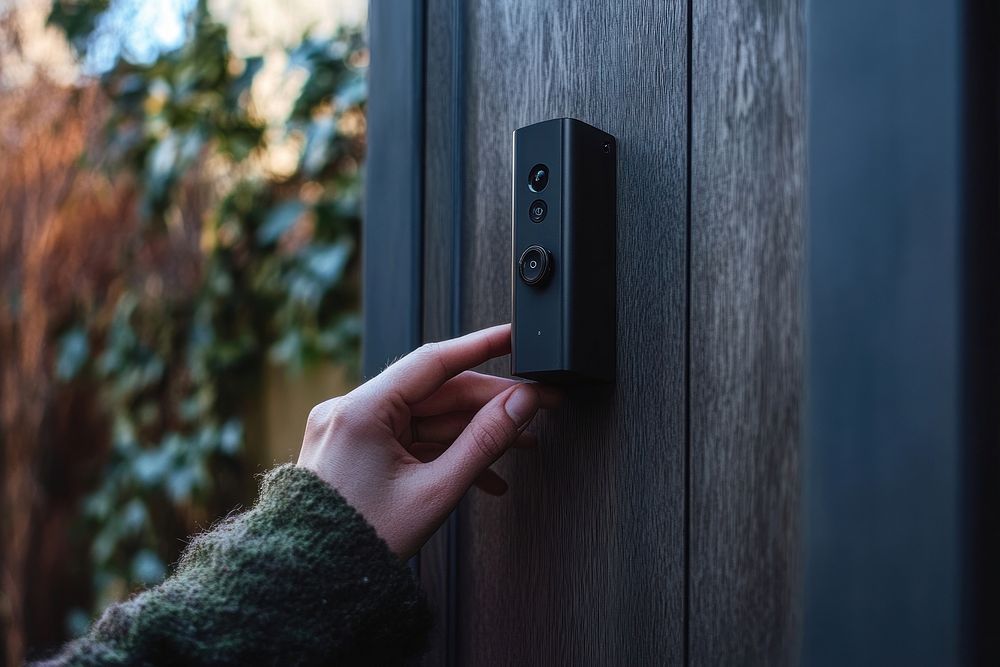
(563, 258)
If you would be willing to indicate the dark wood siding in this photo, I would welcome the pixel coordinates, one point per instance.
(586, 560)
(583, 561)
(747, 262)
(442, 271)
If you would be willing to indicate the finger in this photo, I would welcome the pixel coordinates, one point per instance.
(494, 428)
(418, 374)
(443, 429)
(487, 481)
(468, 390)
(471, 390)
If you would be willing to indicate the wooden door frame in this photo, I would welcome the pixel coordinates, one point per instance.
(397, 234)
(392, 235)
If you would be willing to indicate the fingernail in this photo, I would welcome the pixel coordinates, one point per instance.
(521, 405)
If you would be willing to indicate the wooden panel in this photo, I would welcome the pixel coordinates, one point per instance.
(747, 203)
(582, 562)
(440, 282)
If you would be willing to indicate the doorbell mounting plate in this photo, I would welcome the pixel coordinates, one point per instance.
(563, 252)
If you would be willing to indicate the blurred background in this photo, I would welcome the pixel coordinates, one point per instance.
(180, 266)
(179, 232)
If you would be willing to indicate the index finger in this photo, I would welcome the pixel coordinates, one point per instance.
(417, 375)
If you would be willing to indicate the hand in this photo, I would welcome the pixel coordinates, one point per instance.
(404, 447)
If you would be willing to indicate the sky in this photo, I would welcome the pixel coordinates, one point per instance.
(140, 29)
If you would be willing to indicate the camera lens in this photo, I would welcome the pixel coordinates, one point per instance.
(537, 210)
(534, 265)
(538, 177)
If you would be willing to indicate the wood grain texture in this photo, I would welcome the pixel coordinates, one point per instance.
(439, 272)
(747, 234)
(582, 562)
(439, 186)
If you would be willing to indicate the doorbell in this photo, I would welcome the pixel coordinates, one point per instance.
(563, 256)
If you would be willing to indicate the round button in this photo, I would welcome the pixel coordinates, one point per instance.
(534, 265)
(538, 178)
(537, 210)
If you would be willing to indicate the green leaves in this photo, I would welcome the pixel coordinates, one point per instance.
(77, 19)
(276, 274)
(279, 220)
(318, 268)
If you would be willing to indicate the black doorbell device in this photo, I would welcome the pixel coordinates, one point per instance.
(563, 258)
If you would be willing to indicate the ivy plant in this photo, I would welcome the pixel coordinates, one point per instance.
(174, 351)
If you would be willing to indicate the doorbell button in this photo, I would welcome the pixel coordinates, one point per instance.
(537, 210)
(534, 265)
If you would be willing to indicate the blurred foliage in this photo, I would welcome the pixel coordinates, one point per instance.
(176, 348)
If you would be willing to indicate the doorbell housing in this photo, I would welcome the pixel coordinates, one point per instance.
(563, 259)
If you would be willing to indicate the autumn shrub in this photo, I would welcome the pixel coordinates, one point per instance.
(160, 241)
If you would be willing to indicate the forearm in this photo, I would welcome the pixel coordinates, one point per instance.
(300, 578)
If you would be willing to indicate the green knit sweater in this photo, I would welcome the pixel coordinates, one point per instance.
(299, 579)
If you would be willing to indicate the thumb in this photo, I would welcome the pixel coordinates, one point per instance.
(490, 433)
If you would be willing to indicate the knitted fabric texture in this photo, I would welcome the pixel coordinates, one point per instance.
(299, 579)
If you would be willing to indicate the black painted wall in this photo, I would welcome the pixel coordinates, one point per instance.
(883, 448)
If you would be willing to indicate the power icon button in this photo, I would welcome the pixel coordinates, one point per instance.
(537, 210)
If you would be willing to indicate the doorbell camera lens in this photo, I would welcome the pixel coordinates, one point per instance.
(534, 265)
(537, 210)
(538, 177)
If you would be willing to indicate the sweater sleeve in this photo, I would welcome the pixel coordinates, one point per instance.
(299, 579)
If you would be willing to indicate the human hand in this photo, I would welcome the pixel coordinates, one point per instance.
(404, 447)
